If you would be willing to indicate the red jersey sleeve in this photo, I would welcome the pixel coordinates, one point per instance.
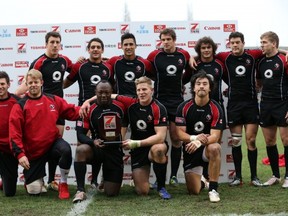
(67, 111)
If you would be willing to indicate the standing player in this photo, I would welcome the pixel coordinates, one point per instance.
(169, 63)
(199, 125)
(104, 122)
(273, 77)
(52, 65)
(8, 163)
(32, 145)
(129, 66)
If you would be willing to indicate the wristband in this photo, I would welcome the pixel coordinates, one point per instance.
(134, 144)
(193, 138)
(197, 143)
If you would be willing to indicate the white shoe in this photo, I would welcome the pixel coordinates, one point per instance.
(285, 184)
(79, 197)
(214, 196)
(272, 181)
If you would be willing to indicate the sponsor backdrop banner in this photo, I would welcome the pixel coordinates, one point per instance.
(20, 45)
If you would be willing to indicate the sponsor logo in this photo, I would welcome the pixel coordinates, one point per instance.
(38, 31)
(107, 29)
(70, 128)
(229, 158)
(72, 95)
(6, 64)
(177, 28)
(37, 47)
(159, 28)
(231, 174)
(124, 28)
(127, 176)
(227, 43)
(55, 28)
(110, 46)
(21, 64)
(158, 44)
(142, 30)
(212, 28)
(72, 46)
(72, 30)
(195, 28)
(4, 33)
(21, 32)
(6, 48)
(191, 44)
(144, 45)
(89, 29)
(21, 48)
(229, 27)
(181, 44)
(20, 79)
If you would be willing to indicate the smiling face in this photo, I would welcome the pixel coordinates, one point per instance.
(34, 85)
(103, 93)
(95, 50)
(4, 88)
(144, 93)
(129, 47)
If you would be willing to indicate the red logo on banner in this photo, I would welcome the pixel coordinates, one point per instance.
(20, 79)
(159, 28)
(231, 174)
(229, 27)
(195, 28)
(158, 44)
(191, 44)
(21, 64)
(55, 28)
(89, 29)
(124, 28)
(227, 42)
(229, 158)
(21, 32)
(21, 48)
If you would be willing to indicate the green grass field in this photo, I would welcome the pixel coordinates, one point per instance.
(242, 200)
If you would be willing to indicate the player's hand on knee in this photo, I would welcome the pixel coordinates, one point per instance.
(192, 146)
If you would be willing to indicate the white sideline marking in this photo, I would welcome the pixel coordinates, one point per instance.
(80, 208)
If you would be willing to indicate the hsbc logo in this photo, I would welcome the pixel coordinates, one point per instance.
(195, 28)
(21, 64)
(21, 32)
(89, 29)
(55, 28)
(124, 28)
(229, 27)
(192, 44)
(21, 48)
(229, 158)
(159, 28)
(158, 44)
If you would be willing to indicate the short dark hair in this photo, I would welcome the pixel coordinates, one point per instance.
(96, 40)
(4, 75)
(236, 35)
(128, 35)
(52, 34)
(205, 40)
(168, 31)
(201, 74)
(103, 81)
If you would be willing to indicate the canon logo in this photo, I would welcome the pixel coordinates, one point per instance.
(6, 65)
(72, 30)
(212, 28)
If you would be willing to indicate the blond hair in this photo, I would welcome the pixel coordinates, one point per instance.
(34, 74)
(144, 79)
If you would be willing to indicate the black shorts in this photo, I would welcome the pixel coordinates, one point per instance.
(112, 159)
(9, 173)
(60, 153)
(171, 106)
(193, 160)
(60, 121)
(242, 112)
(139, 157)
(273, 113)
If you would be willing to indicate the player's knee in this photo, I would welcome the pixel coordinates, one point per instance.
(236, 140)
(35, 187)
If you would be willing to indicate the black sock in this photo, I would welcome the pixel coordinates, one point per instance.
(273, 156)
(95, 171)
(237, 158)
(175, 160)
(160, 172)
(205, 170)
(286, 160)
(80, 171)
(52, 165)
(252, 158)
(213, 186)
